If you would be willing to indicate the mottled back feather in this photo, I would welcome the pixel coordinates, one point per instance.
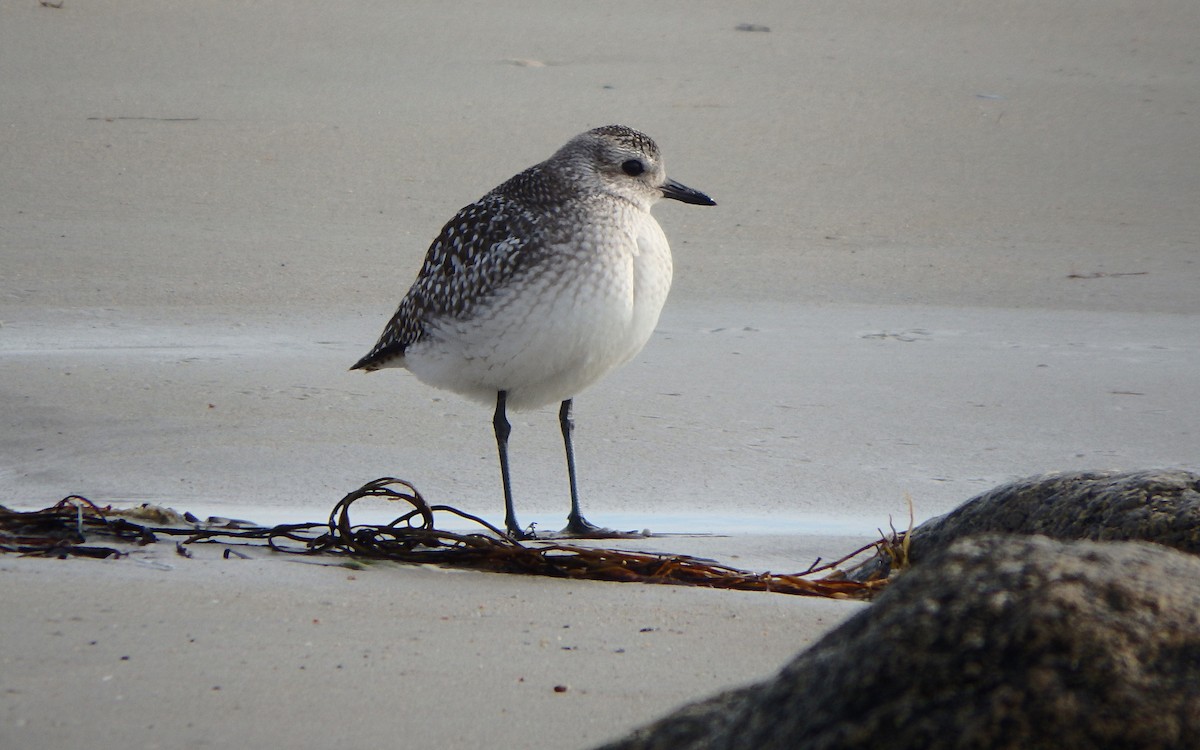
(476, 252)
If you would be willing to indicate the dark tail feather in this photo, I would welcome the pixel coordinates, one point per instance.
(379, 356)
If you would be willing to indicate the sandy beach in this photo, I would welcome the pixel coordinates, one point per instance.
(953, 246)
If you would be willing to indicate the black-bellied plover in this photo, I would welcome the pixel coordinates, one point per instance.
(539, 288)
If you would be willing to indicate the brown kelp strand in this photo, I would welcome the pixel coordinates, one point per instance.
(75, 525)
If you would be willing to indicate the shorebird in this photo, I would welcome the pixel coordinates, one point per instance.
(541, 287)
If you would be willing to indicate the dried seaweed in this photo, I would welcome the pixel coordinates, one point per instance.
(412, 537)
(62, 529)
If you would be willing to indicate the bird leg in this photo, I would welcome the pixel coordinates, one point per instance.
(503, 428)
(577, 525)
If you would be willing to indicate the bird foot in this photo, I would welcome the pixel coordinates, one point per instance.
(521, 535)
(579, 527)
(576, 528)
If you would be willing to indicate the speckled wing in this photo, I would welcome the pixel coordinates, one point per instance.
(477, 252)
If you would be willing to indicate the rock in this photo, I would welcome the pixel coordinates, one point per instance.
(1156, 505)
(1161, 506)
(997, 642)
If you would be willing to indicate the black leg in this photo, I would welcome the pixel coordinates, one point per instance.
(576, 523)
(503, 428)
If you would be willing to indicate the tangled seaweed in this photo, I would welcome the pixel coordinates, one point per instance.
(412, 537)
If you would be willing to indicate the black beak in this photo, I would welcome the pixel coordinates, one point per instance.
(675, 191)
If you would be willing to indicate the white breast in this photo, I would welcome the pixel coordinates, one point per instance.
(561, 325)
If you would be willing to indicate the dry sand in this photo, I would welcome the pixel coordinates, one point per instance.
(954, 245)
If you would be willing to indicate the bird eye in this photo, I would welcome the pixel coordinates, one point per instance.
(633, 168)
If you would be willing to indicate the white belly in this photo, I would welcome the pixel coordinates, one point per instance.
(560, 326)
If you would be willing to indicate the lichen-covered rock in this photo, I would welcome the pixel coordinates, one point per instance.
(997, 642)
